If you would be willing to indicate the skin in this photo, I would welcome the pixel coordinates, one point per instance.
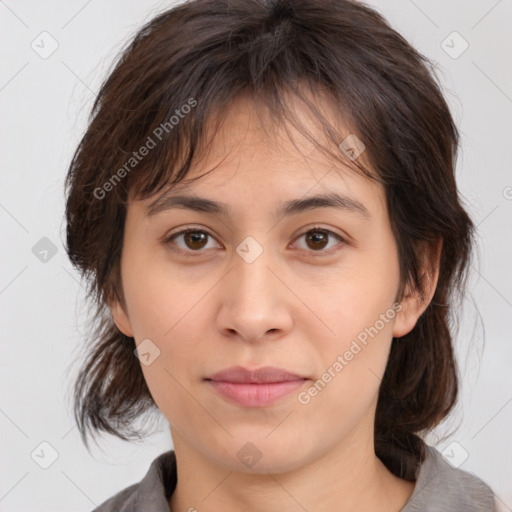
(293, 308)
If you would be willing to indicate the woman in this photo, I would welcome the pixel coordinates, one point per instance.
(265, 205)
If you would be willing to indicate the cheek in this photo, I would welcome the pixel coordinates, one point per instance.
(347, 390)
(164, 306)
(160, 296)
(177, 367)
(358, 306)
(357, 303)
(361, 347)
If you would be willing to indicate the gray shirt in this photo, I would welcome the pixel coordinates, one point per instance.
(438, 488)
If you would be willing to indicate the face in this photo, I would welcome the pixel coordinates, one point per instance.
(310, 290)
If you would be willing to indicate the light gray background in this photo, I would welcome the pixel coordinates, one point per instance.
(44, 107)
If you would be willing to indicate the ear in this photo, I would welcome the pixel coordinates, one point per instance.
(121, 318)
(414, 302)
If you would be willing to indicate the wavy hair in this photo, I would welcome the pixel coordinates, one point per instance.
(207, 53)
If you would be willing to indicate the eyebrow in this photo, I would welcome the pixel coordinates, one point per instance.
(294, 206)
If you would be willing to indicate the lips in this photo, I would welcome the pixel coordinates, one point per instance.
(255, 388)
(267, 374)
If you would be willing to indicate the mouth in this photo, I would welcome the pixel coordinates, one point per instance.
(255, 388)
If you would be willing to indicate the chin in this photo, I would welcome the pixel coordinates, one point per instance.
(261, 455)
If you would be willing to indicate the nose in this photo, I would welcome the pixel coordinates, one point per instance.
(256, 303)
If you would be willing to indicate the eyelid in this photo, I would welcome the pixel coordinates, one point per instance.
(168, 238)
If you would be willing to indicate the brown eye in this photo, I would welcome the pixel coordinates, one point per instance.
(195, 239)
(191, 240)
(318, 239)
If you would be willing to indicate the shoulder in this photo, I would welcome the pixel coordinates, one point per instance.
(124, 501)
(151, 493)
(443, 488)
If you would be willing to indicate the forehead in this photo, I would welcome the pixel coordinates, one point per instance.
(249, 129)
(248, 157)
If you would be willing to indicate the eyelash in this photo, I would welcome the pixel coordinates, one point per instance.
(321, 253)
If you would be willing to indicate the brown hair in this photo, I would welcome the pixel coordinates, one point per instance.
(206, 53)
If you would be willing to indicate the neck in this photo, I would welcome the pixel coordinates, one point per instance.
(348, 477)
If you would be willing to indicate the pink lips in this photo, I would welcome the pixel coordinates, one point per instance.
(255, 388)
